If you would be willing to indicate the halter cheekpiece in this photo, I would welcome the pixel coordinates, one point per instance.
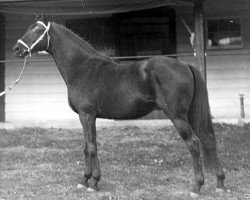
(39, 39)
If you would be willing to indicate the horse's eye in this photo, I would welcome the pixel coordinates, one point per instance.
(36, 31)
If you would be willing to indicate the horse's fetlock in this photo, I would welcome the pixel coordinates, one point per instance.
(221, 175)
(93, 154)
(87, 176)
(200, 180)
(96, 178)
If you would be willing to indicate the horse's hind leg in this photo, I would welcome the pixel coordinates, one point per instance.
(178, 115)
(218, 170)
(193, 144)
(211, 159)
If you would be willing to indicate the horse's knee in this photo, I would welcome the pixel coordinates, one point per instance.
(195, 142)
(85, 150)
(195, 145)
(92, 149)
(199, 178)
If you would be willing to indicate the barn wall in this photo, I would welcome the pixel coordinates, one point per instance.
(228, 73)
(41, 94)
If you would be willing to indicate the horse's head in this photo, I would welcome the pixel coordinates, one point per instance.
(35, 39)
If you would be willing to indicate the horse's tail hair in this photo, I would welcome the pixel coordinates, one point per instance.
(199, 117)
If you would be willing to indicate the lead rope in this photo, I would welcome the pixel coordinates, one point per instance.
(17, 80)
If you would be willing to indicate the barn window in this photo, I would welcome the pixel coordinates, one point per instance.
(224, 33)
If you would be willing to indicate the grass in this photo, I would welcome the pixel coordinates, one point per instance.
(137, 163)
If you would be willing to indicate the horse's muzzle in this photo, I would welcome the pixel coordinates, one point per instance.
(19, 52)
(16, 49)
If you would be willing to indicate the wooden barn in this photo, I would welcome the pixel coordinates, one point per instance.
(128, 31)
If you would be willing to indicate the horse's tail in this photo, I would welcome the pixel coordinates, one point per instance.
(199, 117)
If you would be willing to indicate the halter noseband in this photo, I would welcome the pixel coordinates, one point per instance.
(39, 39)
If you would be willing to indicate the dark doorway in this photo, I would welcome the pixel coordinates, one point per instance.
(146, 32)
(99, 32)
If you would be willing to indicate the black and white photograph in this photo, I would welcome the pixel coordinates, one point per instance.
(124, 99)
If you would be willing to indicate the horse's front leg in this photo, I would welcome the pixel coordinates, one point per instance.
(90, 151)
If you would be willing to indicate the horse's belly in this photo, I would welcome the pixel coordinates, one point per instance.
(127, 110)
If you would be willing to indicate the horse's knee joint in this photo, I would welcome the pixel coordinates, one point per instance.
(86, 152)
(195, 152)
(196, 142)
(209, 142)
(195, 146)
(92, 149)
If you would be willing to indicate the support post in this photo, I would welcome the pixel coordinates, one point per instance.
(241, 121)
(200, 45)
(2, 67)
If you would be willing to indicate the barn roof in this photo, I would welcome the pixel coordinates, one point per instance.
(84, 7)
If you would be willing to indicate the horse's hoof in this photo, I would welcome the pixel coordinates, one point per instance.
(80, 186)
(222, 190)
(194, 195)
(91, 190)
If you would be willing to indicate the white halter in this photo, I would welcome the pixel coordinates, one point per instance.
(39, 39)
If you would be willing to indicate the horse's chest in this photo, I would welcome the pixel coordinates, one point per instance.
(81, 99)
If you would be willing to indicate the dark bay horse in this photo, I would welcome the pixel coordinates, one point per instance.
(100, 88)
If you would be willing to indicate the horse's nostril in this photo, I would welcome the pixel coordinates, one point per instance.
(16, 48)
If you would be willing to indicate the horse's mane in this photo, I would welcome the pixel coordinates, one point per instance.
(80, 41)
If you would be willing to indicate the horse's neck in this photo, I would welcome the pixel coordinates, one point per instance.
(68, 52)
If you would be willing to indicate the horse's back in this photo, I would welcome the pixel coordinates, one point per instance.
(170, 67)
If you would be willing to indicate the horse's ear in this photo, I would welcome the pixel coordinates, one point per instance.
(41, 17)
